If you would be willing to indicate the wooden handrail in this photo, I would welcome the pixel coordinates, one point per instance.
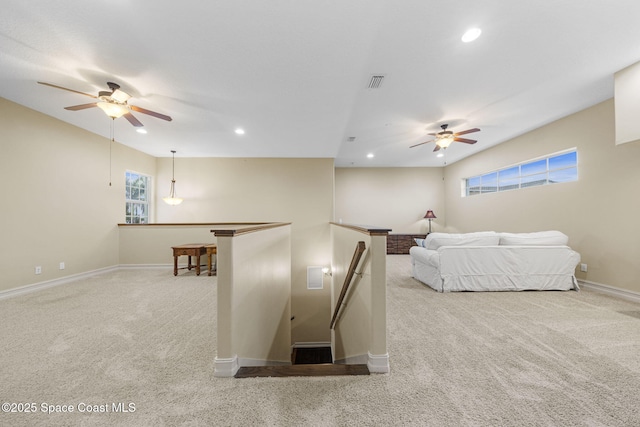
(360, 248)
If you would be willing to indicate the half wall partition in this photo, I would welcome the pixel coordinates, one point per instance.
(359, 334)
(254, 297)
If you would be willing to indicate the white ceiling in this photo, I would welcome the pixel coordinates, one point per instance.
(294, 73)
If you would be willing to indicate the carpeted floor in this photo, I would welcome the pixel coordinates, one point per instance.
(147, 338)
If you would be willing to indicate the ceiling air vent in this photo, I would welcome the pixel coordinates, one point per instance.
(376, 81)
(351, 138)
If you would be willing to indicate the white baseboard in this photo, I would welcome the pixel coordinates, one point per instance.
(160, 266)
(378, 363)
(145, 266)
(34, 287)
(610, 290)
(10, 293)
(361, 359)
(226, 367)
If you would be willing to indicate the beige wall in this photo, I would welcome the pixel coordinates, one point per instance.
(395, 198)
(151, 244)
(299, 191)
(627, 104)
(57, 204)
(599, 212)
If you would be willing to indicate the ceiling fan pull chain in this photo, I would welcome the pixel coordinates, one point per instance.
(110, 144)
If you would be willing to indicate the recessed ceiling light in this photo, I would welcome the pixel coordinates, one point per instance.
(440, 155)
(141, 130)
(239, 131)
(471, 35)
(370, 156)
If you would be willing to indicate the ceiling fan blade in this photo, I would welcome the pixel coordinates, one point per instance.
(465, 140)
(464, 132)
(436, 148)
(433, 134)
(151, 113)
(426, 142)
(81, 106)
(133, 120)
(70, 90)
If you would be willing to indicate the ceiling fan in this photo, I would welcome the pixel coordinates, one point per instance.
(113, 103)
(445, 137)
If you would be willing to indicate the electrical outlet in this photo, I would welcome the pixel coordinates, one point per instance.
(62, 265)
(38, 269)
(583, 267)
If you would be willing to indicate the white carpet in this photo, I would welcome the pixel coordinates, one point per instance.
(461, 359)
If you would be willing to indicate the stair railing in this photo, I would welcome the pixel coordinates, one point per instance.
(360, 248)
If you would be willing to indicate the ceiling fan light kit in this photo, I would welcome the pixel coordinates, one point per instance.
(114, 103)
(116, 95)
(115, 111)
(445, 138)
(445, 141)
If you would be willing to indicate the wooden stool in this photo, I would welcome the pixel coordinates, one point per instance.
(191, 249)
(212, 250)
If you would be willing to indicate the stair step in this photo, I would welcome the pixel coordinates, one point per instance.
(311, 355)
(312, 370)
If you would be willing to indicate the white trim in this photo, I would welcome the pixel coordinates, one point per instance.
(610, 290)
(146, 266)
(226, 367)
(160, 266)
(34, 287)
(378, 363)
(360, 359)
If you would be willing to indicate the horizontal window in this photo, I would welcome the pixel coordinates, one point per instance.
(556, 168)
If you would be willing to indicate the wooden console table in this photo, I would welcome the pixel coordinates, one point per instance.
(191, 249)
(399, 244)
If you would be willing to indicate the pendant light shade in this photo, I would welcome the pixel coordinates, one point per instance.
(171, 199)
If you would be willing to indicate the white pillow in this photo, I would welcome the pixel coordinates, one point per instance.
(540, 238)
(482, 238)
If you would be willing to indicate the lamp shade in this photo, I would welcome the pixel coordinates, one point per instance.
(430, 215)
(113, 110)
(444, 142)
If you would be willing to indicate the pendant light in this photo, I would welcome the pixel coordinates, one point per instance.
(171, 199)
